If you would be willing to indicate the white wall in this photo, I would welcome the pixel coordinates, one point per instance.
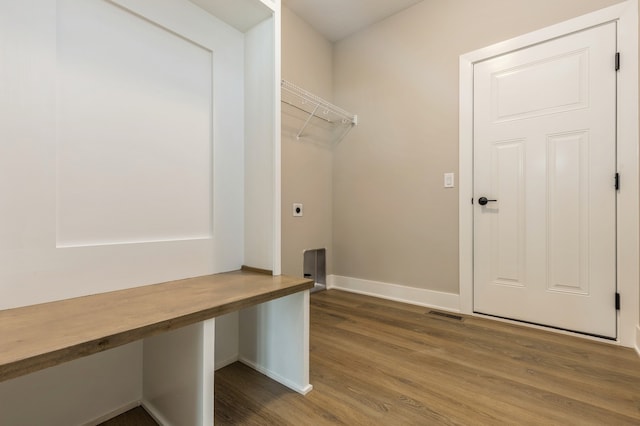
(260, 144)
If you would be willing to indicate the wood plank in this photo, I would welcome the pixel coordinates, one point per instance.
(40, 336)
(375, 361)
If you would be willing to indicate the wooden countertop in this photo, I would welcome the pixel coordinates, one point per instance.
(40, 336)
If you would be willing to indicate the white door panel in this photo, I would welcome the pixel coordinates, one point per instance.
(507, 159)
(544, 148)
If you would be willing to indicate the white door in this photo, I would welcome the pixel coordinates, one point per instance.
(544, 150)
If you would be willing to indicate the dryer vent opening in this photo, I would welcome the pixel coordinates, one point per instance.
(315, 267)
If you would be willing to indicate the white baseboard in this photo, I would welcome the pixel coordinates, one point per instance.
(399, 293)
(288, 383)
(155, 413)
(114, 413)
(637, 346)
(226, 362)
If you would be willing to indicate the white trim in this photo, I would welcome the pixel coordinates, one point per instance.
(284, 381)
(277, 140)
(226, 362)
(306, 334)
(637, 346)
(628, 197)
(399, 293)
(626, 14)
(207, 369)
(155, 413)
(114, 413)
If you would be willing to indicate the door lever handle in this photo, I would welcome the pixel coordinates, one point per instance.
(483, 201)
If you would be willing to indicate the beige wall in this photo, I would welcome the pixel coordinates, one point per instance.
(306, 163)
(393, 220)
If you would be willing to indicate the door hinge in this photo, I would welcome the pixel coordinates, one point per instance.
(617, 301)
(617, 61)
(617, 181)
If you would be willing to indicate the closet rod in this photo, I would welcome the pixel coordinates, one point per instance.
(304, 110)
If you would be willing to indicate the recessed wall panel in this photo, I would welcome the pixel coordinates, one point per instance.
(134, 129)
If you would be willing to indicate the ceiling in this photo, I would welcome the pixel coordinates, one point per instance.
(336, 19)
(241, 14)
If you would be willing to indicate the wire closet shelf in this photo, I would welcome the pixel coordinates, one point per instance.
(316, 107)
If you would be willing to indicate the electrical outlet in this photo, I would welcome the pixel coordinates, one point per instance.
(297, 209)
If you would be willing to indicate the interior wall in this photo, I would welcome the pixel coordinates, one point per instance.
(259, 191)
(306, 163)
(394, 221)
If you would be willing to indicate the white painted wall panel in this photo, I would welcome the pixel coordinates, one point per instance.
(259, 145)
(227, 339)
(32, 269)
(179, 373)
(274, 339)
(134, 129)
(74, 393)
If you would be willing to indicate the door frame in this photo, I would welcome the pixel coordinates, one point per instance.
(628, 200)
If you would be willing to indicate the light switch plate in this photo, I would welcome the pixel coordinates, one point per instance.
(297, 209)
(449, 180)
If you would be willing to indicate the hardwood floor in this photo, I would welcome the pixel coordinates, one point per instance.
(381, 362)
(136, 417)
(377, 362)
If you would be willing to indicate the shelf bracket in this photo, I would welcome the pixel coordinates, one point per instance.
(306, 123)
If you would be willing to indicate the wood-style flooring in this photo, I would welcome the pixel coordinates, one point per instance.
(136, 417)
(377, 362)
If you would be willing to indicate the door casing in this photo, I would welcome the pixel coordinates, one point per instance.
(628, 214)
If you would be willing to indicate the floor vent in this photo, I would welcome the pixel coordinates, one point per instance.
(446, 315)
